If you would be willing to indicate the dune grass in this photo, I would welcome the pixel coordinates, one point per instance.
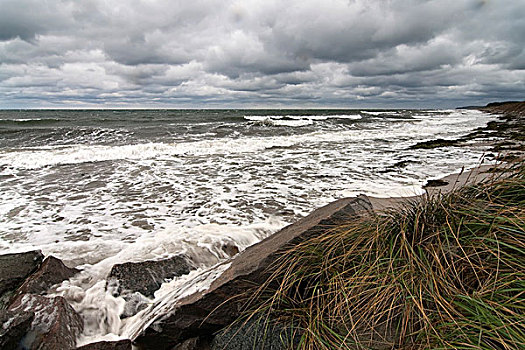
(447, 272)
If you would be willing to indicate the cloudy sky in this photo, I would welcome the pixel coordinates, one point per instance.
(260, 53)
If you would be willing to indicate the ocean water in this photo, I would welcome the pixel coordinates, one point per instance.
(96, 188)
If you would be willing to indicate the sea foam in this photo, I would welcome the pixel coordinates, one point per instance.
(96, 201)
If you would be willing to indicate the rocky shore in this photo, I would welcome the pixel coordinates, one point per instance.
(30, 319)
(504, 137)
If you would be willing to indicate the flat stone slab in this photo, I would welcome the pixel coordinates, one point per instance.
(204, 313)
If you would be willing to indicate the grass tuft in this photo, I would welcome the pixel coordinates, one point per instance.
(447, 272)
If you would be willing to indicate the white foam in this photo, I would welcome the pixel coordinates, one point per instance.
(101, 311)
(292, 123)
(203, 245)
(228, 181)
(267, 118)
(168, 296)
(380, 112)
(21, 119)
(384, 190)
(75, 154)
(347, 116)
(156, 200)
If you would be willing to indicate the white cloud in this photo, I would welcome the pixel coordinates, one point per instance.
(235, 53)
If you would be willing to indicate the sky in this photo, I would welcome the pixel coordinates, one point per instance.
(260, 53)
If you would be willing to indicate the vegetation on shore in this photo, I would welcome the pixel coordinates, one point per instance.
(447, 272)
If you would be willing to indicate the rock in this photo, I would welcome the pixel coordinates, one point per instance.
(204, 313)
(146, 277)
(451, 182)
(510, 157)
(230, 249)
(434, 144)
(190, 344)
(256, 335)
(51, 272)
(13, 327)
(516, 108)
(15, 268)
(55, 325)
(435, 183)
(135, 302)
(124, 344)
(5, 299)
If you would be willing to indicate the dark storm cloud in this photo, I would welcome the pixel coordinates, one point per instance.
(344, 32)
(25, 19)
(61, 53)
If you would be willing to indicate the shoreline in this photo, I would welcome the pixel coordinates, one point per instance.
(314, 223)
(510, 149)
(151, 338)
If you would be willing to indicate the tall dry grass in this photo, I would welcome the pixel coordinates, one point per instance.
(444, 273)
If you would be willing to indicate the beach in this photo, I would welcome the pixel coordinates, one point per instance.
(122, 194)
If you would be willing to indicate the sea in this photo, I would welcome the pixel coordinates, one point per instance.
(101, 187)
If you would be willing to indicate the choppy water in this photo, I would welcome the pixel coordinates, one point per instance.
(101, 187)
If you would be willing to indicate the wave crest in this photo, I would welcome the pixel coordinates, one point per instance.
(296, 120)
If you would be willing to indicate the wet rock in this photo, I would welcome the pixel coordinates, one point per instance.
(230, 249)
(6, 298)
(51, 272)
(510, 157)
(13, 327)
(15, 268)
(191, 344)
(435, 183)
(204, 313)
(124, 344)
(135, 302)
(146, 277)
(434, 144)
(55, 325)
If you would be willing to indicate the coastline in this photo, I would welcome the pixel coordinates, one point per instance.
(311, 225)
(229, 282)
(509, 147)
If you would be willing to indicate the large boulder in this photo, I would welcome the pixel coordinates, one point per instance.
(204, 313)
(124, 344)
(55, 325)
(51, 272)
(147, 276)
(13, 327)
(14, 269)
